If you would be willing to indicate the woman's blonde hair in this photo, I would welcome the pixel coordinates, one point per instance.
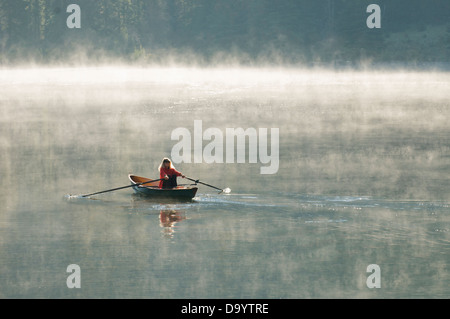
(165, 160)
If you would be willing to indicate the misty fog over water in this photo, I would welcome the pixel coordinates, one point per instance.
(357, 133)
(363, 178)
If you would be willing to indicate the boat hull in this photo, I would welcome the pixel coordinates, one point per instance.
(152, 189)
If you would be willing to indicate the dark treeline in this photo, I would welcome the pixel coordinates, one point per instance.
(246, 31)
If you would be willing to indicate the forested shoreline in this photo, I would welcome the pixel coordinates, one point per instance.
(227, 31)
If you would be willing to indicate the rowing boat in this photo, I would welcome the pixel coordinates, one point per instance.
(152, 189)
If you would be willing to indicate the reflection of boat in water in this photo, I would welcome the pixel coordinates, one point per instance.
(152, 189)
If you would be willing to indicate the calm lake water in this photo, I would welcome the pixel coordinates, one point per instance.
(363, 179)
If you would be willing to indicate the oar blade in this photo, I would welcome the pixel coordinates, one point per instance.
(70, 196)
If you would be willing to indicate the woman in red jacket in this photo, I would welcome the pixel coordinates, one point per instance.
(168, 174)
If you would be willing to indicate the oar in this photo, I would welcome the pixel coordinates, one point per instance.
(114, 189)
(226, 190)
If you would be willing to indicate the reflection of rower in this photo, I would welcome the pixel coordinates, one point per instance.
(169, 217)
